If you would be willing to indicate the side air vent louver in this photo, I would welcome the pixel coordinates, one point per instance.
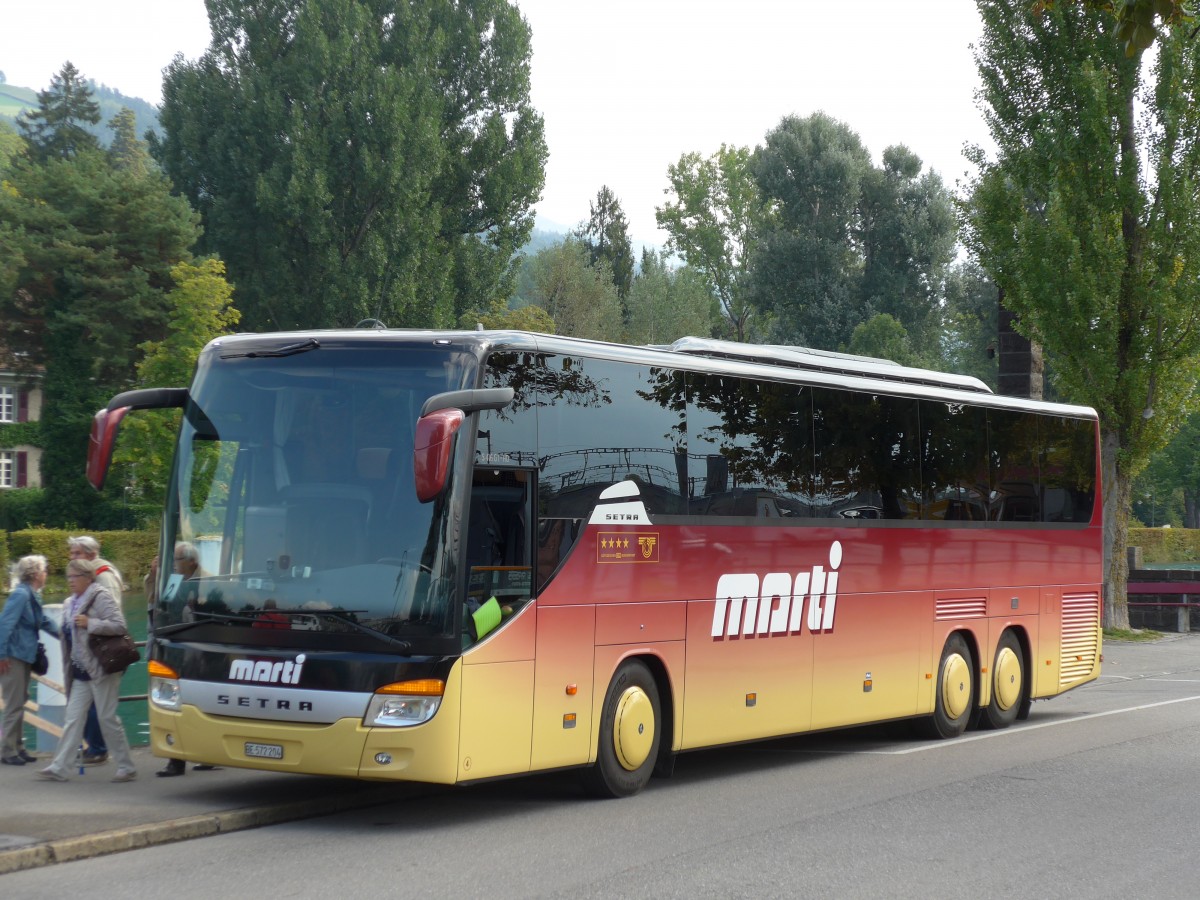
(1080, 637)
(961, 608)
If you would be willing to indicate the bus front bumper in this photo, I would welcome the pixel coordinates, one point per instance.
(346, 748)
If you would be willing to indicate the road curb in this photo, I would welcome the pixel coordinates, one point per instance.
(135, 837)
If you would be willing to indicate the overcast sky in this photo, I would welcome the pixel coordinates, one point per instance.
(625, 86)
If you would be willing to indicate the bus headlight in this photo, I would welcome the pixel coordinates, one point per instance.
(405, 703)
(163, 688)
(164, 693)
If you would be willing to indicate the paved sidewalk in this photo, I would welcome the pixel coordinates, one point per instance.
(43, 822)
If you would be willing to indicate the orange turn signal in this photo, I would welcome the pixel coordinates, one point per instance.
(154, 667)
(421, 687)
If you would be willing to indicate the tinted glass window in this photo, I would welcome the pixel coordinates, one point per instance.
(508, 437)
(867, 456)
(1013, 460)
(955, 482)
(602, 422)
(749, 447)
(1068, 469)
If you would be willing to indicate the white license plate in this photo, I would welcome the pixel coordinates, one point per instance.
(264, 751)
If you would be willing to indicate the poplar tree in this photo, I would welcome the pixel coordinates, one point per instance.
(358, 158)
(1088, 219)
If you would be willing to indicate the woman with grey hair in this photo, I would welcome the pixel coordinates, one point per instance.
(90, 609)
(20, 622)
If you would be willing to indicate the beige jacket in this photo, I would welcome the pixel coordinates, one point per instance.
(103, 617)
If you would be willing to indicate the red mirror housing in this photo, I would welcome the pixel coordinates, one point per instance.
(101, 443)
(432, 451)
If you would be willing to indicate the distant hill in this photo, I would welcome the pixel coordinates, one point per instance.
(15, 100)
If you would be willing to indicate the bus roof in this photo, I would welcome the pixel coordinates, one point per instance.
(815, 367)
(826, 361)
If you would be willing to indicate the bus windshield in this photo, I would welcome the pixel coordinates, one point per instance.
(293, 506)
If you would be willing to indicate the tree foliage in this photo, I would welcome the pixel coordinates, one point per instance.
(200, 308)
(87, 249)
(579, 297)
(357, 158)
(58, 128)
(606, 237)
(1138, 21)
(713, 223)
(847, 240)
(666, 304)
(1089, 221)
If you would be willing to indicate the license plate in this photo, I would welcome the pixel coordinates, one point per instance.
(264, 751)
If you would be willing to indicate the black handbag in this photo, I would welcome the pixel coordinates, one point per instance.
(41, 663)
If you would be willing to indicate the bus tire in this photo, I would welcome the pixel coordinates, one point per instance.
(1008, 683)
(630, 724)
(954, 692)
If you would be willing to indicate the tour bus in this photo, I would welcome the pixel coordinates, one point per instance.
(446, 556)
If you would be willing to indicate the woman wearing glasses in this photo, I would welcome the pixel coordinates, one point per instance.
(90, 609)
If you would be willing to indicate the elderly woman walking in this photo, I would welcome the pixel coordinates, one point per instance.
(20, 622)
(90, 609)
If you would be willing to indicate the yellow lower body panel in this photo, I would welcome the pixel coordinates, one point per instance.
(426, 753)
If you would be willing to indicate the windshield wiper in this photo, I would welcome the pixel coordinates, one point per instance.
(340, 615)
(206, 619)
(289, 350)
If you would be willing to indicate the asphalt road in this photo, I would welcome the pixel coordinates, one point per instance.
(1094, 796)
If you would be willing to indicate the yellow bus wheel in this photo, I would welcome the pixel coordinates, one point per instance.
(954, 691)
(1008, 683)
(629, 734)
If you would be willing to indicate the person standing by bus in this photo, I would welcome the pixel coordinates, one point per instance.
(90, 609)
(20, 622)
(87, 547)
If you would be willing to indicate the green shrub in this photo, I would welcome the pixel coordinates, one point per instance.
(20, 508)
(1166, 545)
(130, 551)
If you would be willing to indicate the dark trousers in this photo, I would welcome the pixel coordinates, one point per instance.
(93, 735)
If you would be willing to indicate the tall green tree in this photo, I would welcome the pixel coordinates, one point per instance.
(1089, 220)
(580, 298)
(846, 240)
(88, 249)
(356, 158)
(909, 232)
(57, 129)
(606, 237)
(713, 222)
(807, 266)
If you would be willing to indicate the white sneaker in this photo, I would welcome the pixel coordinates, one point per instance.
(125, 775)
(48, 774)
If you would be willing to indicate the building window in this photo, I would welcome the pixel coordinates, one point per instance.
(8, 468)
(8, 403)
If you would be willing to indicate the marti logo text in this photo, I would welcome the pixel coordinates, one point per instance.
(747, 607)
(267, 671)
